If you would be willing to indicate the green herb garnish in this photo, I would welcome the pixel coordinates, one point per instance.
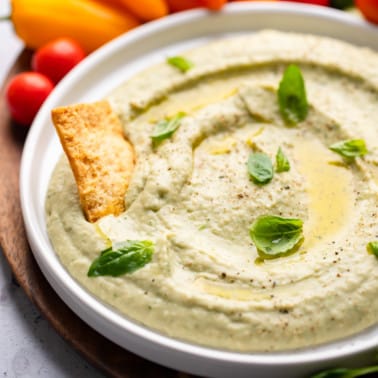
(372, 248)
(282, 163)
(260, 168)
(276, 236)
(292, 97)
(180, 63)
(346, 373)
(122, 258)
(350, 149)
(165, 128)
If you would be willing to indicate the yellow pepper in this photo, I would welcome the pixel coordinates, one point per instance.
(89, 22)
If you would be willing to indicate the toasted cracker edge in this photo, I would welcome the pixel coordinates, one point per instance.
(101, 159)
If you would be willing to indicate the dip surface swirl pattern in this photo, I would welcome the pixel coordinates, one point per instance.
(191, 195)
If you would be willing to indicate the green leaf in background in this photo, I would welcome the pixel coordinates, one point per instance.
(292, 97)
(122, 258)
(276, 236)
(180, 63)
(350, 149)
(164, 129)
(260, 168)
(372, 248)
(282, 163)
(346, 373)
(341, 4)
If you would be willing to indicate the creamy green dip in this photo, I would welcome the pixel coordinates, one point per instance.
(192, 196)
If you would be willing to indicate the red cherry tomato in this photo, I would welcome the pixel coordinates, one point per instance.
(57, 57)
(181, 5)
(316, 2)
(369, 8)
(214, 4)
(25, 93)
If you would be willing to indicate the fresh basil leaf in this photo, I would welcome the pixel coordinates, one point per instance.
(165, 128)
(350, 149)
(260, 168)
(180, 63)
(122, 258)
(372, 248)
(282, 163)
(346, 373)
(292, 96)
(276, 236)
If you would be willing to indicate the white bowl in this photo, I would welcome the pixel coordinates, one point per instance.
(95, 77)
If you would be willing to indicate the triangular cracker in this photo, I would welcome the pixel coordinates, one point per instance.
(102, 160)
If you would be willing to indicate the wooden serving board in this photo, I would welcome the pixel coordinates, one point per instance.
(102, 353)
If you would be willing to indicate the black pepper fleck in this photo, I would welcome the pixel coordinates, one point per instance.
(283, 310)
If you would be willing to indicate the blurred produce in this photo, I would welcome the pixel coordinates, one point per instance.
(250, 0)
(369, 8)
(342, 4)
(181, 5)
(146, 10)
(57, 58)
(95, 22)
(25, 94)
(89, 22)
(316, 2)
(214, 4)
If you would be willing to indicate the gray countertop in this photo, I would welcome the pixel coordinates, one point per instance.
(29, 346)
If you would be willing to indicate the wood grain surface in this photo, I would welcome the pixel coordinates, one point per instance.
(102, 353)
